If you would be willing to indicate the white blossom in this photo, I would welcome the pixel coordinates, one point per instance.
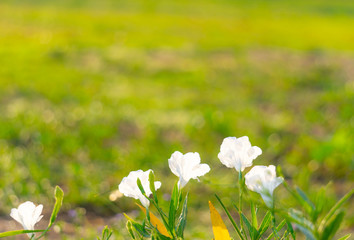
(187, 166)
(27, 214)
(263, 180)
(238, 153)
(129, 186)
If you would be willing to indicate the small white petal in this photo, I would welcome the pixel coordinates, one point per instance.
(201, 170)
(37, 213)
(14, 215)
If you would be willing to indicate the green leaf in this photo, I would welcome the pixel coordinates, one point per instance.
(320, 202)
(345, 237)
(59, 195)
(129, 227)
(306, 232)
(173, 207)
(254, 215)
(305, 226)
(17, 232)
(278, 228)
(138, 227)
(106, 234)
(291, 229)
(140, 186)
(155, 222)
(305, 201)
(152, 185)
(230, 218)
(163, 217)
(298, 217)
(182, 219)
(265, 223)
(333, 226)
(252, 231)
(335, 208)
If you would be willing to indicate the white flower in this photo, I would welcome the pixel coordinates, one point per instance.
(28, 215)
(187, 166)
(263, 180)
(238, 153)
(129, 186)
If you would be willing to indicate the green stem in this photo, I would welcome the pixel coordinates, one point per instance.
(240, 203)
(276, 236)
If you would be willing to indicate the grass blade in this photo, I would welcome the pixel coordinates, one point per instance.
(230, 218)
(265, 223)
(331, 229)
(345, 237)
(182, 218)
(335, 208)
(17, 232)
(279, 227)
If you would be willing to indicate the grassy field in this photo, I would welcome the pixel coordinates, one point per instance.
(91, 90)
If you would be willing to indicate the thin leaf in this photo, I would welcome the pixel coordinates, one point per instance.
(305, 199)
(252, 231)
(278, 228)
(152, 185)
(331, 229)
(173, 207)
(291, 229)
(106, 234)
(305, 226)
(230, 218)
(265, 223)
(306, 232)
(129, 227)
(138, 227)
(182, 219)
(254, 216)
(335, 208)
(219, 229)
(59, 195)
(17, 232)
(298, 217)
(140, 186)
(163, 217)
(345, 237)
(156, 222)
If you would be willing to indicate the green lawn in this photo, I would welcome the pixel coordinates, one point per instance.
(90, 91)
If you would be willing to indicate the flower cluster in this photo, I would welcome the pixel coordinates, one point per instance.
(239, 154)
(185, 166)
(234, 152)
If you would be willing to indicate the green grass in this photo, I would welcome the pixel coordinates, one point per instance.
(92, 90)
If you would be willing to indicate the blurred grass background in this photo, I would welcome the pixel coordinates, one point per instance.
(91, 90)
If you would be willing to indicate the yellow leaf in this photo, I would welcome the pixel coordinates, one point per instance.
(156, 222)
(219, 229)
